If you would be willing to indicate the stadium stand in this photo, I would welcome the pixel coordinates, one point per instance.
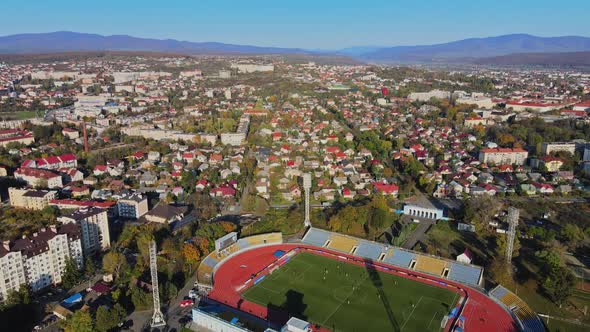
(210, 260)
(401, 258)
(466, 274)
(316, 237)
(243, 243)
(205, 270)
(526, 316)
(367, 249)
(463, 273)
(430, 265)
(342, 243)
(265, 239)
(207, 266)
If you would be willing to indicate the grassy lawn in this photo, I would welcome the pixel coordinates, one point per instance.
(347, 297)
(277, 220)
(528, 290)
(555, 325)
(448, 242)
(20, 115)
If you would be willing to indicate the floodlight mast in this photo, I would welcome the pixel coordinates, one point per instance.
(306, 189)
(157, 317)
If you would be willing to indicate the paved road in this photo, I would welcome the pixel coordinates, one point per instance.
(172, 312)
(187, 220)
(419, 234)
(175, 312)
(113, 147)
(288, 206)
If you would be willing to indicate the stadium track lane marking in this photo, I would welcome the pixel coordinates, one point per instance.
(342, 302)
(411, 313)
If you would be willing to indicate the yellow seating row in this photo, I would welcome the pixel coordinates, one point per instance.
(342, 243)
(430, 265)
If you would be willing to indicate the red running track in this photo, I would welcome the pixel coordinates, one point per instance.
(481, 312)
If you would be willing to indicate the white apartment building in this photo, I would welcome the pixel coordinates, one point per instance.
(237, 138)
(426, 96)
(40, 259)
(252, 68)
(503, 156)
(94, 228)
(549, 148)
(12, 273)
(132, 206)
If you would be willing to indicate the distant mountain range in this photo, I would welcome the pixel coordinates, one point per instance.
(63, 41)
(489, 50)
(468, 49)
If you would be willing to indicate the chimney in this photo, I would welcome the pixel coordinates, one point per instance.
(85, 137)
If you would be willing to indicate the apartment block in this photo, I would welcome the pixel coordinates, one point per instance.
(94, 228)
(132, 206)
(39, 260)
(30, 199)
(503, 156)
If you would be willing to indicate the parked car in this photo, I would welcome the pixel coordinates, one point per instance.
(186, 303)
(192, 294)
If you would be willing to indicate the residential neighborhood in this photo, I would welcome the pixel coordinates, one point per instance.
(100, 156)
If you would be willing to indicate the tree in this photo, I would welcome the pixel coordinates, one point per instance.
(228, 226)
(118, 313)
(501, 271)
(104, 321)
(559, 284)
(89, 266)
(115, 263)
(572, 234)
(479, 211)
(25, 294)
(191, 254)
(170, 249)
(141, 299)
(80, 321)
(142, 241)
(71, 275)
(387, 172)
(502, 244)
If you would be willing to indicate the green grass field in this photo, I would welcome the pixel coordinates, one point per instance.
(20, 115)
(347, 297)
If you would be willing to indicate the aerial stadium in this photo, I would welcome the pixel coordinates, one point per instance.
(327, 281)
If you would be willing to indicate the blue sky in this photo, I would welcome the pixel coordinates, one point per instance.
(301, 23)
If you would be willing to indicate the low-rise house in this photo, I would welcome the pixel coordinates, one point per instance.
(543, 188)
(528, 189)
(224, 190)
(385, 188)
(39, 177)
(166, 214)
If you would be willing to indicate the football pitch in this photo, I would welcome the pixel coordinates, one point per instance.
(345, 297)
